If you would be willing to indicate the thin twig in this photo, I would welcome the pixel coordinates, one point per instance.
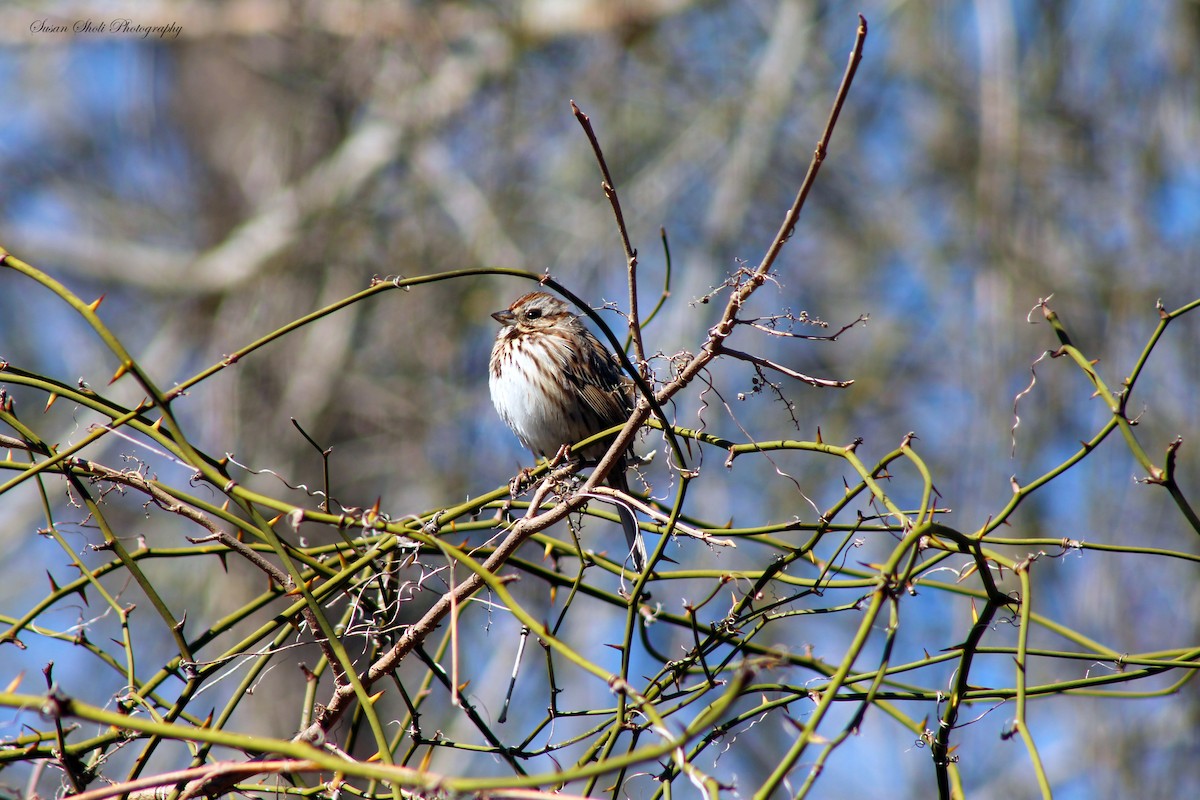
(791, 373)
(829, 337)
(610, 191)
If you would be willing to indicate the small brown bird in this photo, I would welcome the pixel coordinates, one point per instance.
(553, 383)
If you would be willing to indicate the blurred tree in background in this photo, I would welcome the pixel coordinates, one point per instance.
(259, 160)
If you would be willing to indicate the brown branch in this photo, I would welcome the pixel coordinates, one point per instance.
(719, 332)
(200, 779)
(220, 777)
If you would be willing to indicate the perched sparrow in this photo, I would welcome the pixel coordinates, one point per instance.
(554, 384)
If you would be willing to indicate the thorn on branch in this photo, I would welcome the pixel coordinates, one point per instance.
(1042, 305)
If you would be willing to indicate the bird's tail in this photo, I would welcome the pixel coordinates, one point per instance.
(629, 523)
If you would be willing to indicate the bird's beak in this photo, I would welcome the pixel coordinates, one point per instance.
(505, 317)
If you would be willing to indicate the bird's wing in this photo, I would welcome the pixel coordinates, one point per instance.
(602, 386)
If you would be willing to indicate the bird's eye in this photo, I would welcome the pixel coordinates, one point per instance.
(533, 313)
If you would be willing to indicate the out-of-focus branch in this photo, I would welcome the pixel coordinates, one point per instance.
(276, 225)
(751, 152)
